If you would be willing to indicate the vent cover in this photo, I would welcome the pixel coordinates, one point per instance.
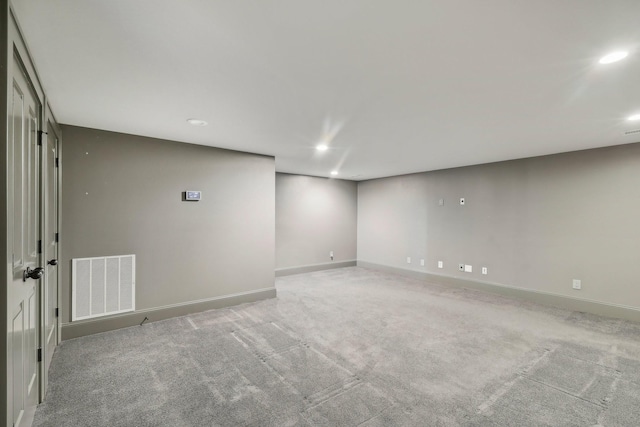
(629, 132)
(102, 286)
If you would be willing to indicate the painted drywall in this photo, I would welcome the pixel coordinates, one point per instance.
(314, 216)
(122, 194)
(535, 223)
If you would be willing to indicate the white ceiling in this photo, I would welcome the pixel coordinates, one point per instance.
(398, 86)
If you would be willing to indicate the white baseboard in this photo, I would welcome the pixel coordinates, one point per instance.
(545, 298)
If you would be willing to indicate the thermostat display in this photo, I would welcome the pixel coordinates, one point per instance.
(192, 195)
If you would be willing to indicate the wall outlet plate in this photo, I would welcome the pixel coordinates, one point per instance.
(484, 270)
(462, 200)
(461, 267)
(441, 202)
(191, 196)
(468, 269)
(577, 284)
(440, 264)
(408, 260)
(422, 262)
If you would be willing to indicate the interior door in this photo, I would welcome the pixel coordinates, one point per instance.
(50, 249)
(23, 303)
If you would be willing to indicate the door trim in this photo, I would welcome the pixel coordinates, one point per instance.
(49, 125)
(50, 118)
(4, 194)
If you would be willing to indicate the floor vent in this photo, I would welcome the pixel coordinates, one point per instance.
(102, 286)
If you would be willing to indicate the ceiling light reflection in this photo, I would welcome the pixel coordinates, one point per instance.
(613, 57)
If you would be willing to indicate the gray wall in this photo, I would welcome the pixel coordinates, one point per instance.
(122, 194)
(536, 223)
(313, 217)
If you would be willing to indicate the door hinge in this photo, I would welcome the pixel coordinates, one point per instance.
(57, 237)
(39, 246)
(56, 312)
(57, 162)
(40, 133)
(40, 355)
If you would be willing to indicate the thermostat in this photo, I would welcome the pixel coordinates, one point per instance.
(192, 196)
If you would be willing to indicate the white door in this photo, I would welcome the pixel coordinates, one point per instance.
(49, 296)
(23, 304)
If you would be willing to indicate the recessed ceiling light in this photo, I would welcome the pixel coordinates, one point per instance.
(196, 122)
(334, 173)
(634, 117)
(613, 57)
(322, 147)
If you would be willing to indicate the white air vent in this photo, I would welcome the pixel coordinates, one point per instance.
(630, 132)
(103, 286)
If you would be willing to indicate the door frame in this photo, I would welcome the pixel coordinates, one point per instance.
(49, 120)
(49, 126)
(4, 206)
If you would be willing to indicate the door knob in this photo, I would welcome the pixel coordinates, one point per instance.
(53, 262)
(34, 274)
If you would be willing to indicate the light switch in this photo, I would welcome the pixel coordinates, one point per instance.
(192, 195)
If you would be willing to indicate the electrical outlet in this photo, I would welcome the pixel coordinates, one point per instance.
(441, 202)
(468, 269)
(461, 267)
(577, 284)
(440, 264)
(408, 260)
(331, 255)
(422, 262)
(462, 200)
(484, 270)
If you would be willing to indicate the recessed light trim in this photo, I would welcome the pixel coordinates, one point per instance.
(196, 122)
(613, 57)
(322, 147)
(634, 117)
(334, 173)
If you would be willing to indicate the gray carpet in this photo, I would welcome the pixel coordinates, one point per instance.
(354, 347)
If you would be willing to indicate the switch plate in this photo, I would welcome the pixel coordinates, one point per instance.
(191, 195)
(422, 262)
(484, 270)
(577, 284)
(408, 260)
(440, 264)
(462, 200)
(468, 269)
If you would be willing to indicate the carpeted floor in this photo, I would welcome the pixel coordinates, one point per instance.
(354, 347)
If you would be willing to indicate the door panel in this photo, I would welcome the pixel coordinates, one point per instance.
(32, 177)
(32, 345)
(17, 366)
(18, 162)
(23, 295)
